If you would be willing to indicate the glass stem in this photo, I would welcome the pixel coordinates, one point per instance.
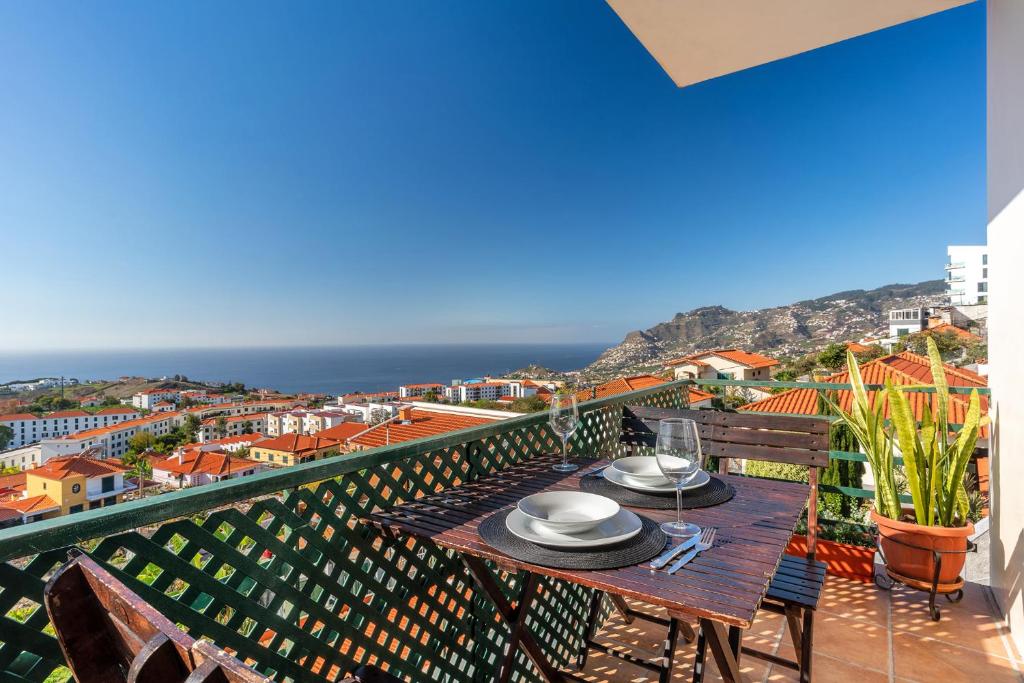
(565, 450)
(679, 505)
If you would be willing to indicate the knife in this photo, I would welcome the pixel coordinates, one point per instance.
(667, 557)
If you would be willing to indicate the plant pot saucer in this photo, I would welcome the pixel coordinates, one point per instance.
(942, 588)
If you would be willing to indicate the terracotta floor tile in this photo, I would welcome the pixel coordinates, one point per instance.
(928, 660)
(848, 598)
(827, 669)
(853, 641)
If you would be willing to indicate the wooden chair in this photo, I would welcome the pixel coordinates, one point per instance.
(797, 584)
(110, 635)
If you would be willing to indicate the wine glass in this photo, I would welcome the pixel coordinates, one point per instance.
(564, 418)
(679, 458)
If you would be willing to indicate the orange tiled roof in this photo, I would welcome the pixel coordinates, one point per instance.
(195, 461)
(344, 431)
(228, 440)
(902, 368)
(31, 505)
(297, 443)
(116, 410)
(622, 385)
(423, 385)
(77, 465)
(857, 347)
(946, 327)
(423, 423)
(15, 482)
(120, 426)
(18, 416)
(751, 360)
(68, 413)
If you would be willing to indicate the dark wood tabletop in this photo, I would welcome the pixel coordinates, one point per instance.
(725, 583)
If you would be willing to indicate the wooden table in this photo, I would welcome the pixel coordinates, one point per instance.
(722, 588)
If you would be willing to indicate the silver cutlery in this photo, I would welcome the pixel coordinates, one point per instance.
(707, 539)
(665, 558)
(595, 471)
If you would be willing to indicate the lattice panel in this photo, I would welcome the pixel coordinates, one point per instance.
(295, 586)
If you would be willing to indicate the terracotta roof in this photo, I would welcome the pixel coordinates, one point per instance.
(77, 465)
(696, 396)
(32, 505)
(903, 368)
(751, 360)
(297, 443)
(123, 425)
(946, 327)
(195, 461)
(13, 417)
(68, 413)
(228, 440)
(622, 385)
(344, 431)
(423, 423)
(423, 385)
(13, 481)
(7, 514)
(857, 347)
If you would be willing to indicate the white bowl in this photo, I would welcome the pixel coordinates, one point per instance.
(568, 512)
(642, 469)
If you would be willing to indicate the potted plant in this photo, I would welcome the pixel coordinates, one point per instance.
(934, 464)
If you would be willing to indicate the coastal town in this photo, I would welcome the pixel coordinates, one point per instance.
(106, 450)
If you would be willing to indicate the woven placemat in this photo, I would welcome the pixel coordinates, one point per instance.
(715, 492)
(646, 544)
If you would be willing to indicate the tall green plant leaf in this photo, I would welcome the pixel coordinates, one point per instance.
(910, 447)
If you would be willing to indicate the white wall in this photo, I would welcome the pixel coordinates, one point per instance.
(1006, 325)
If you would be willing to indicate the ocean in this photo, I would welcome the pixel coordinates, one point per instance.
(324, 370)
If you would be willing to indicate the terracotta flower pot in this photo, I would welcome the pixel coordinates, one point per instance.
(908, 550)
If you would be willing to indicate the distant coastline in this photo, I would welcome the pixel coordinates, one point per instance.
(297, 369)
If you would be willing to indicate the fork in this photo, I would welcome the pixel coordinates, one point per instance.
(707, 539)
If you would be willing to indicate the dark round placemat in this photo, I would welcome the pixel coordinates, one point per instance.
(715, 492)
(646, 544)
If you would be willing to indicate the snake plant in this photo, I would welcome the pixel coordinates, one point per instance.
(935, 462)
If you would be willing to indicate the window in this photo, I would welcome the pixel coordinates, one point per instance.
(107, 484)
(75, 508)
(984, 259)
(982, 286)
(984, 273)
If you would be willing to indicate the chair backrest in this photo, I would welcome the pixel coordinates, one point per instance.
(749, 436)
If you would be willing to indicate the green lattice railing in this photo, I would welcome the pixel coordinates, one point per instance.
(276, 569)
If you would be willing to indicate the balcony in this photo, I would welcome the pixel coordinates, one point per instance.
(277, 569)
(955, 265)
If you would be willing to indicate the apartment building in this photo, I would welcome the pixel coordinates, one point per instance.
(29, 428)
(235, 425)
(906, 321)
(70, 484)
(967, 275)
(148, 398)
(113, 441)
(304, 421)
(232, 444)
(418, 390)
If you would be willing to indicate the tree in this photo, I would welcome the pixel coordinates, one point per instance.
(379, 415)
(430, 396)
(221, 427)
(247, 427)
(192, 426)
(6, 436)
(528, 404)
(242, 452)
(140, 443)
(833, 356)
(109, 401)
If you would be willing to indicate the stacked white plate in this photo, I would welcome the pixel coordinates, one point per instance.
(641, 473)
(572, 519)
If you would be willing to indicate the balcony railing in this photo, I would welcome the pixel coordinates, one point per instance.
(954, 265)
(276, 568)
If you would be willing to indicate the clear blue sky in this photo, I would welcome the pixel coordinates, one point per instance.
(197, 174)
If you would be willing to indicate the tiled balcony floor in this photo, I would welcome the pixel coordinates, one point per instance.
(861, 634)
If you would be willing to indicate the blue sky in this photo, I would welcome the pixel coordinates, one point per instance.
(188, 174)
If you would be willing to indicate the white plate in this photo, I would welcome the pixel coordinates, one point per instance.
(616, 477)
(641, 468)
(622, 526)
(568, 512)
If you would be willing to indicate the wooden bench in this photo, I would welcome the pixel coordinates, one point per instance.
(797, 583)
(108, 634)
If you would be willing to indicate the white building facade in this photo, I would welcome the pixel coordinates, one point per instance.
(967, 275)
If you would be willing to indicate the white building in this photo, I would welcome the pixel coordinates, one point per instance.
(417, 390)
(234, 426)
(907, 321)
(967, 275)
(24, 458)
(366, 412)
(150, 397)
(29, 428)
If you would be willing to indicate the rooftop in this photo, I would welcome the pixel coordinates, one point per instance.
(195, 461)
(297, 443)
(423, 423)
(77, 465)
(745, 358)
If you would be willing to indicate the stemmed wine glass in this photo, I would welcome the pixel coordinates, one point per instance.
(679, 459)
(564, 418)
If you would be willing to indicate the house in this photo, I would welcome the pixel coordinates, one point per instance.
(150, 397)
(200, 465)
(163, 407)
(344, 431)
(698, 399)
(418, 422)
(90, 401)
(234, 425)
(945, 328)
(75, 483)
(417, 390)
(723, 364)
(231, 444)
(292, 449)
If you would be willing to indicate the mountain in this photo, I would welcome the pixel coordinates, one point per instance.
(780, 331)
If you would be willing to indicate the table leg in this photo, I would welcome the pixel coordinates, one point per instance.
(724, 648)
(515, 617)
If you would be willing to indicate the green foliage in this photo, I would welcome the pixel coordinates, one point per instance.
(785, 376)
(528, 404)
(6, 436)
(50, 402)
(221, 426)
(975, 353)
(140, 442)
(191, 426)
(776, 470)
(874, 351)
(247, 427)
(109, 401)
(430, 396)
(4, 471)
(832, 356)
(484, 404)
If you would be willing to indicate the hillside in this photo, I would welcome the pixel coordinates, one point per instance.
(780, 331)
